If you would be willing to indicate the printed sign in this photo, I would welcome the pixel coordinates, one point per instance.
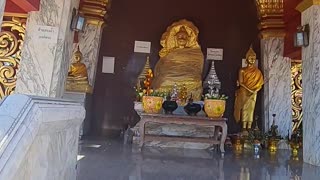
(48, 34)
(108, 65)
(214, 54)
(142, 46)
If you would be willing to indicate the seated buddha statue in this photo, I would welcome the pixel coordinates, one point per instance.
(181, 60)
(77, 79)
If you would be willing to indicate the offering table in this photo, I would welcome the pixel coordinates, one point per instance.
(217, 123)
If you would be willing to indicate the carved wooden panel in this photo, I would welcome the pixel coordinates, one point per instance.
(11, 42)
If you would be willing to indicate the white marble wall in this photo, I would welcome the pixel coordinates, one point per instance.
(89, 43)
(39, 138)
(277, 87)
(311, 88)
(44, 64)
(2, 5)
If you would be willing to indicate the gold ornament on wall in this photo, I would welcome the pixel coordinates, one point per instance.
(271, 13)
(11, 42)
(296, 94)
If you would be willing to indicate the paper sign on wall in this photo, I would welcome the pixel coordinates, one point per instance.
(108, 64)
(214, 54)
(142, 46)
(244, 63)
(46, 34)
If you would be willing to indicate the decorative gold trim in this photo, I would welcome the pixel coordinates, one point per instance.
(268, 8)
(11, 42)
(20, 15)
(266, 34)
(97, 2)
(94, 21)
(270, 13)
(296, 94)
(94, 11)
(267, 24)
(305, 4)
(296, 61)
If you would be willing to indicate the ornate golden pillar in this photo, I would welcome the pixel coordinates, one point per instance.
(296, 94)
(89, 40)
(310, 14)
(11, 42)
(276, 68)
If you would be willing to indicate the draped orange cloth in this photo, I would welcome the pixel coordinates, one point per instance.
(246, 100)
(180, 66)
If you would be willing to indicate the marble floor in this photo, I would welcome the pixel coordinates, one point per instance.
(101, 159)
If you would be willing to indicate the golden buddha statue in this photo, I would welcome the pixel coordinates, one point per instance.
(181, 60)
(250, 82)
(77, 79)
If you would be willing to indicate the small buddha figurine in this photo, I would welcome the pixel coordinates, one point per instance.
(77, 79)
(181, 60)
(250, 82)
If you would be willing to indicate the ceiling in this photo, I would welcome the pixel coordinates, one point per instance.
(21, 6)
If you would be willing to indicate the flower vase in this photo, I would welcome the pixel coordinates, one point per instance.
(214, 108)
(152, 104)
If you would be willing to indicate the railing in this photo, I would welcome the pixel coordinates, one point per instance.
(39, 137)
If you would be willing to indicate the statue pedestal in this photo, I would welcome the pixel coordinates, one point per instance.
(75, 86)
(86, 100)
(192, 131)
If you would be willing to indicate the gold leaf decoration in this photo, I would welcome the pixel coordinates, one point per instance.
(296, 94)
(11, 41)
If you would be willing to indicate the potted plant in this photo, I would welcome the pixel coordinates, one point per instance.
(215, 105)
(273, 136)
(295, 142)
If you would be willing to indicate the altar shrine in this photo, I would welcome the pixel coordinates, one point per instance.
(177, 79)
(182, 98)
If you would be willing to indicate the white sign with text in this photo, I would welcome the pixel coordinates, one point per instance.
(108, 65)
(46, 34)
(214, 54)
(142, 46)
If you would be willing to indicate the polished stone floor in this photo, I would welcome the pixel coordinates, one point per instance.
(111, 160)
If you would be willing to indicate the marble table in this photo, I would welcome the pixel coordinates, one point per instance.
(217, 123)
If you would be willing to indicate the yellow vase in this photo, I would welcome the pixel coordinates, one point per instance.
(152, 104)
(214, 108)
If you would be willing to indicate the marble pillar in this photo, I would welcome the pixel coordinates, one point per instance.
(47, 49)
(89, 43)
(2, 5)
(277, 87)
(311, 87)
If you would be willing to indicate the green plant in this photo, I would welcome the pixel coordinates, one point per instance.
(158, 94)
(217, 97)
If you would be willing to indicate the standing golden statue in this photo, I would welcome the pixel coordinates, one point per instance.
(250, 82)
(181, 60)
(77, 76)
